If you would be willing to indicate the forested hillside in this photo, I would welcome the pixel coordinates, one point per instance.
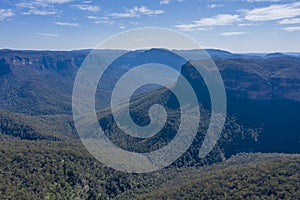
(42, 157)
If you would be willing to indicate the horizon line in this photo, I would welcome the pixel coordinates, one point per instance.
(90, 49)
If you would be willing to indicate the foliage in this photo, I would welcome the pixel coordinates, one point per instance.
(271, 179)
(65, 170)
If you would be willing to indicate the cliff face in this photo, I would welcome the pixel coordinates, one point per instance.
(260, 93)
(37, 82)
(261, 79)
(4, 67)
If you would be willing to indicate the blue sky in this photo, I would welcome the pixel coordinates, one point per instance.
(234, 25)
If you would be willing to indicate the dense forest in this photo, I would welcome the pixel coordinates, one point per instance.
(65, 170)
(42, 157)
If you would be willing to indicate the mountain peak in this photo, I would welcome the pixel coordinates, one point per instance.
(273, 55)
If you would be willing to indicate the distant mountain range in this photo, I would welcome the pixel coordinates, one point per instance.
(262, 90)
(37, 130)
(40, 82)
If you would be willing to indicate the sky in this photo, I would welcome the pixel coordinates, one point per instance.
(241, 26)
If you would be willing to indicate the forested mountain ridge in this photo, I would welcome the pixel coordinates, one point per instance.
(271, 176)
(60, 170)
(40, 82)
(42, 157)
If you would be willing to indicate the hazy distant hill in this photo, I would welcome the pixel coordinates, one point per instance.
(262, 92)
(38, 140)
(40, 82)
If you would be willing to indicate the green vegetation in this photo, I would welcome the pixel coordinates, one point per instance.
(277, 178)
(65, 170)
(41, 156)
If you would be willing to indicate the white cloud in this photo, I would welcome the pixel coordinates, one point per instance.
(101, 20)
(87, 1)
(215, 5)
(290, 21)
(92, 17)
(257, 1)
(232, 33)
(55, 1)
(86, 7)
(47, 34)
(218, 20)
(5, 13)
(67, 24)
(204, 23)
(105, 21)
(245, 24)
(137, 12)
(41, 3)
(164, 2)
(190, 27)
(36, 11)
(145, 11)
(292, 28)
(123, 15)
(273, 12)
(40, 7)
